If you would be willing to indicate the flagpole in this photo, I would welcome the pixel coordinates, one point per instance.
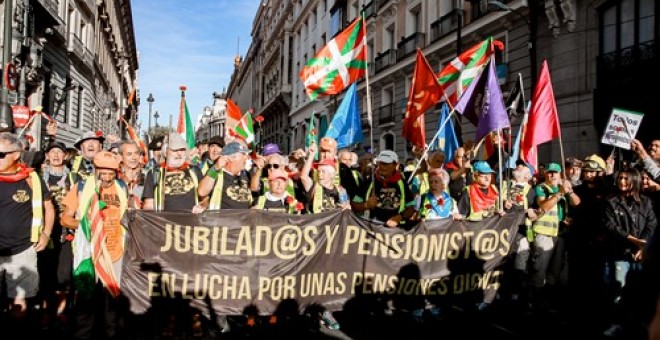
(499, 160)
(426, 149)
(370, 117)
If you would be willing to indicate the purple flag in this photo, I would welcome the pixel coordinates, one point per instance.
(482, 103)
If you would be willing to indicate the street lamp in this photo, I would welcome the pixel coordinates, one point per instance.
(531, 26)
(150, 100)
(156, 118)
(207, 114)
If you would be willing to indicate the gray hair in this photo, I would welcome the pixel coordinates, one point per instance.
(12, 140)
(128, 142)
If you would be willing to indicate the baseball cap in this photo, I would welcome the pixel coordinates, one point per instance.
(387, 156)
(156, 143)
(572, 162)
(98, 135)
(482, 167)
(58, 145)
(553, 167)
(277, 174)
(327, 161)
(217, 140)
(233, 148)
(271, 149)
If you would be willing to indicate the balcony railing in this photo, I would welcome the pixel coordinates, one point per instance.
(636, 59)
(385, 60)
(410, 44)
(386, 114)
(444, 25)
(75, 46)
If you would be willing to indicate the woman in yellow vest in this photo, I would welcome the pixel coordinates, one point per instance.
(276, 198)
(323, 195)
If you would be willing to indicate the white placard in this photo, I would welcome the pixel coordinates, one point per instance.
(622, 128)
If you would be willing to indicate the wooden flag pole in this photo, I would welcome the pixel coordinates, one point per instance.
(435, 137)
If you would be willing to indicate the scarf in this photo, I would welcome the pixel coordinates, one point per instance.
(480, 200)
(22, 172)
(442, 205)
(62, 182)
(387, 181)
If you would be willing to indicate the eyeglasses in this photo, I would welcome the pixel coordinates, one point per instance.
(272, 166)
(3, 154)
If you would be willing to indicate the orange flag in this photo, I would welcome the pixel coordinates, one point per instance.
(133, 136)
(425, 92)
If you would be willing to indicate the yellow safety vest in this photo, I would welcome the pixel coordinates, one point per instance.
(548, 223)
(317, 200)
(261, 202)
(477, 216)
(37, 207)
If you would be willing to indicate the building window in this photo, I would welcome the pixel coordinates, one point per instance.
(337, 17)
(387, 141)
(80, 108)
(627, 23)
(388, 38)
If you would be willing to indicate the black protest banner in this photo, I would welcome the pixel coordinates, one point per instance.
(228, 260)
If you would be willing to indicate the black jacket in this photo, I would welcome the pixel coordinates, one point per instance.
(625, 217)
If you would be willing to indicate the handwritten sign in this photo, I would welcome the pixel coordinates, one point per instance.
(622, 128)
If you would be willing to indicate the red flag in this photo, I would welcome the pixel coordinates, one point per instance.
(543, 123)
(425, 92)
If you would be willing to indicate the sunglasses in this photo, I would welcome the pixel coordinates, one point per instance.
(3, 154)
(272, 166)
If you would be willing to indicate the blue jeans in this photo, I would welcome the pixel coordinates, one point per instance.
(615, 272)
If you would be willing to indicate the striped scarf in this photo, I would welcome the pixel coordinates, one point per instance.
(91, 257)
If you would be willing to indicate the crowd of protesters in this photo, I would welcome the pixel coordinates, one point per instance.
(586, 240)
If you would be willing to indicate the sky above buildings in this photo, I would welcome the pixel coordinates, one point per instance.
(190, 43)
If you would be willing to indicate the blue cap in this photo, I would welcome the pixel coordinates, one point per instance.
(482, 167)
(234, 147)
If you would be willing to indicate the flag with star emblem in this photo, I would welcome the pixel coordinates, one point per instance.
(425, 92)
(341, 62)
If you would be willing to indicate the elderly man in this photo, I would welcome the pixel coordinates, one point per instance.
(651, 159)
(28, 214)
(226, 185)
(101, 198)
(89, 144)
(387, 197)
(173, 185)
(349, 175)
(480, 199)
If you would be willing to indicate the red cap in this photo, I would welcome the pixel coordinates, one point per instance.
(328, 161)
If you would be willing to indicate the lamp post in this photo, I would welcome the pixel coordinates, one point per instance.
(156, 118)
(207, 115)
(150, 100)
(6, 116)
(531, 26)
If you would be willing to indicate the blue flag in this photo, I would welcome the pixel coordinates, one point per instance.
(447, 140)
(482, 103)
(346, 126)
